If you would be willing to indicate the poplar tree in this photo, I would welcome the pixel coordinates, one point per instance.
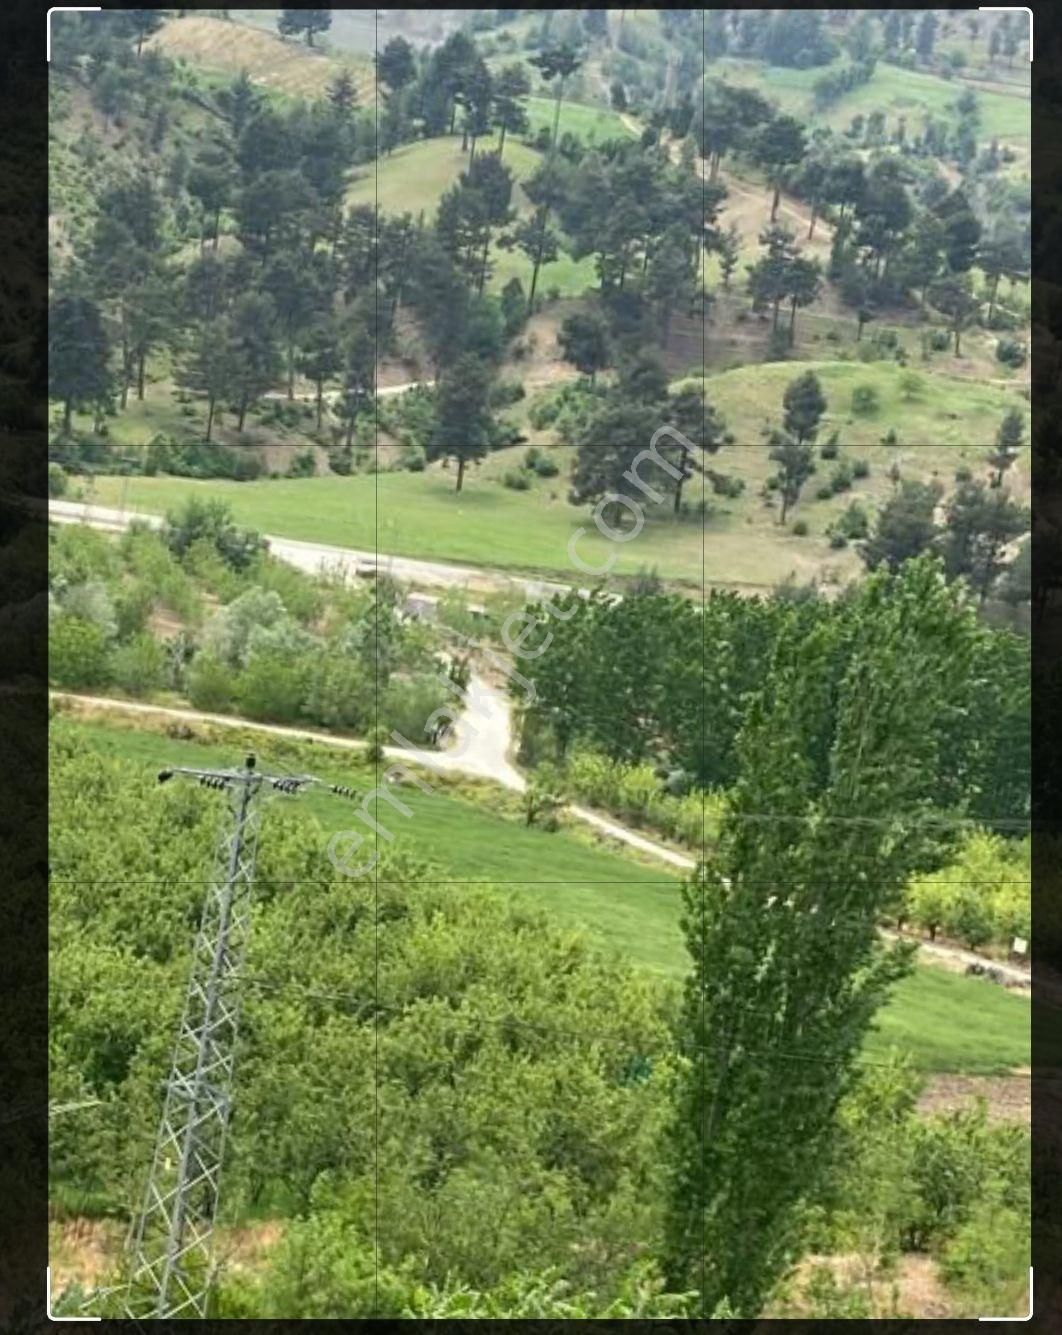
(846, 746)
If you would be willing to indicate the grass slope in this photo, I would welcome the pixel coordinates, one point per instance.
(897, 92)
(950, 423)
(628, 907)
(415, 176)
(277, 65)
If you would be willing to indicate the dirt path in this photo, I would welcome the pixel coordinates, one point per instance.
(1008, 1097)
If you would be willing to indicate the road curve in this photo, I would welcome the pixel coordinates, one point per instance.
(316, 557)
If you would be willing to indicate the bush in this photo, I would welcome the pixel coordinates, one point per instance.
(77, 653)
(416, 461)
(963, 473)
(865, 400)
(861, 467)
(854, 524)
(546, 466)
(831, 448)
(986, 1263)
(800, 529)
(939, 340)
(841, 477)
(272, 687)
(516, 480)
(838, 540)
(139, 666)
(1010, 352)
(303, 464)
(210, 684)
(57, 480)
(504, 393)
(823, 492)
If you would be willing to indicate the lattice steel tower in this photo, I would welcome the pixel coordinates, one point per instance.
(171, 1255)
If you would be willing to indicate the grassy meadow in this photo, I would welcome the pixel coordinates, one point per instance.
(944, 425)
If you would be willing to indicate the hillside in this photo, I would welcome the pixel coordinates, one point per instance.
(224, 48)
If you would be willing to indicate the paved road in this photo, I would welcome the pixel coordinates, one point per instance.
(316, 557)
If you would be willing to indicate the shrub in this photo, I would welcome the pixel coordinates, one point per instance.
(139, 666)
(911, 385)
(988, 1257)
(831, 448)
(271, 687)
(516, 480)
(890, 437)
(823, 492)
(939, 340)
(854, 524)
(841, 477)
(963, 473)
(1010, 352)
(210, 684)
(416, 461)
(57, 480)
(861, 467)
(865, 400)
(546, 466)
(77, 653)
(838, 540)
(800, 529)
(504, 393)
(303, 464)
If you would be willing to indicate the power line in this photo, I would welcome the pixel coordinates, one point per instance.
(171, 1241)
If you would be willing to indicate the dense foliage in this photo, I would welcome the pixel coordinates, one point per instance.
(201, 612)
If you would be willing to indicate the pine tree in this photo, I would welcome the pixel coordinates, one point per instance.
(804, 404)
(1008, 444)
(462, 419)
(796, 463)
(78, 375)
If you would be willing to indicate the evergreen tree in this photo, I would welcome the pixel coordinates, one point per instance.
(557, 63)
(729, 250)
(255, 363)
(396, 65)
(905, 526)
(796, 463)
(584, 340)
(955, 298)
(804, 404)
(981, 522)
(462, 427)
(779, 145)
(509, 114)
(343, 93)
(1008, 444)
(78, 375)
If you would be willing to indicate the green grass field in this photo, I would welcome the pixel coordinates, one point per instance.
(897, 92)
(950, 423)
(414, 178)
(629, 907)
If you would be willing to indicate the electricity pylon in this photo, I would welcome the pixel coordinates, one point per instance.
(171, 1251)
